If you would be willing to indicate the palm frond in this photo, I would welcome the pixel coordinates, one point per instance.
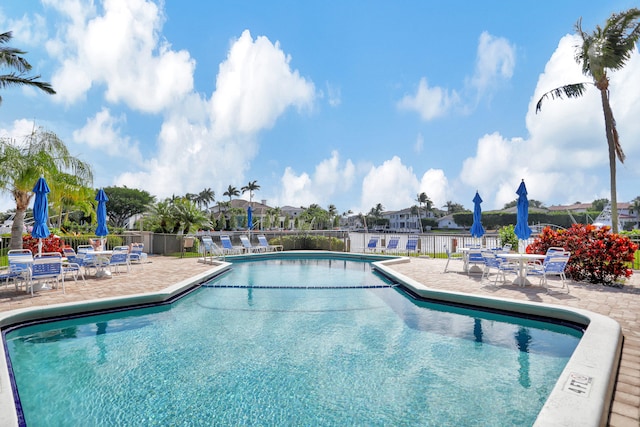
(14, 79)
(574, 90)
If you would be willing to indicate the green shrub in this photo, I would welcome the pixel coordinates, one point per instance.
(308, 242)
(597, 255)
(508, 236)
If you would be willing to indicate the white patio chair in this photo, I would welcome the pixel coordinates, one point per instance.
(553, 265)
(493, 261)
(452, 257)
(47, 268)
(119, 256)
(20, 263)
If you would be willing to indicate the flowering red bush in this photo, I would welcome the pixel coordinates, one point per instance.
(49, 244)
(597, 255)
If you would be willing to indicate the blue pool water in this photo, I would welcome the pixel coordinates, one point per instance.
(260, 355)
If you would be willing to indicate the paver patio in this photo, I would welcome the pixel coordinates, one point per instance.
(621, 304)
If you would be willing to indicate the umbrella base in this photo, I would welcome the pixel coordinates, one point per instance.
(103, 273)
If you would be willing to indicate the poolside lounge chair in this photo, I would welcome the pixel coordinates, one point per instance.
(248, 247)
(47, 267)
(262, 242)
(392, 244)
(210, 249)
(228, 247)
(136, 253)
(373, 243)
(412, 244)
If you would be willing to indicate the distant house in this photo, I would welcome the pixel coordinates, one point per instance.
(447, 221)
(405, 221)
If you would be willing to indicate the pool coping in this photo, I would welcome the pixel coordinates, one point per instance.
(573, 401)
(597, 355)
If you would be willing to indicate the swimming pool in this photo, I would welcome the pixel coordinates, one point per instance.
(315, 311)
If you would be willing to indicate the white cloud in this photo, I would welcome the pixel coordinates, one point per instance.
(103, 132)
(435, 185)
(393, 184)
(330, 177)
(429, 102)
(564, 158)
(213, 141)
(495, 61)
(122, 50)
(21, 128)
(255, 85)
(27, 30)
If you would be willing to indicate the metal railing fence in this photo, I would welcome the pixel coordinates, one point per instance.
(429, 244)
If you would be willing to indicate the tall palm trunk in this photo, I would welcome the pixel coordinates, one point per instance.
(22, 199)
(609, 123)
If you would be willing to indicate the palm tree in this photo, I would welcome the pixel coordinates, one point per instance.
(187, 216)
(205, 197)
(12, 58)
(250, 187)
(40, 153)
(68, 193)
(231, 191)
(607, 48)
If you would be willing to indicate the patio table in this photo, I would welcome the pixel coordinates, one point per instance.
(521, 280)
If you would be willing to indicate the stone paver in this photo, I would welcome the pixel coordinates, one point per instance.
(622, 304)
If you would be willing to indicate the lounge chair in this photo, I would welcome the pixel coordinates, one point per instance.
(47, 267)
(136, 253)
(248, 247)
(263, 243)
(210, 249)
(373, 243)
(392, 245)
(228, 247)
(412, 244)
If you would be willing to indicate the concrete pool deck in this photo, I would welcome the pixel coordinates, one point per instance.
(620, 304)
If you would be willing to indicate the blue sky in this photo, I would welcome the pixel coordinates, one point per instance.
(342, 102)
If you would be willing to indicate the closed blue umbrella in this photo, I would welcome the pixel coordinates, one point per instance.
(40, 212)
(102, 199)
(477, 230)
(522, 230)
(249, 218)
